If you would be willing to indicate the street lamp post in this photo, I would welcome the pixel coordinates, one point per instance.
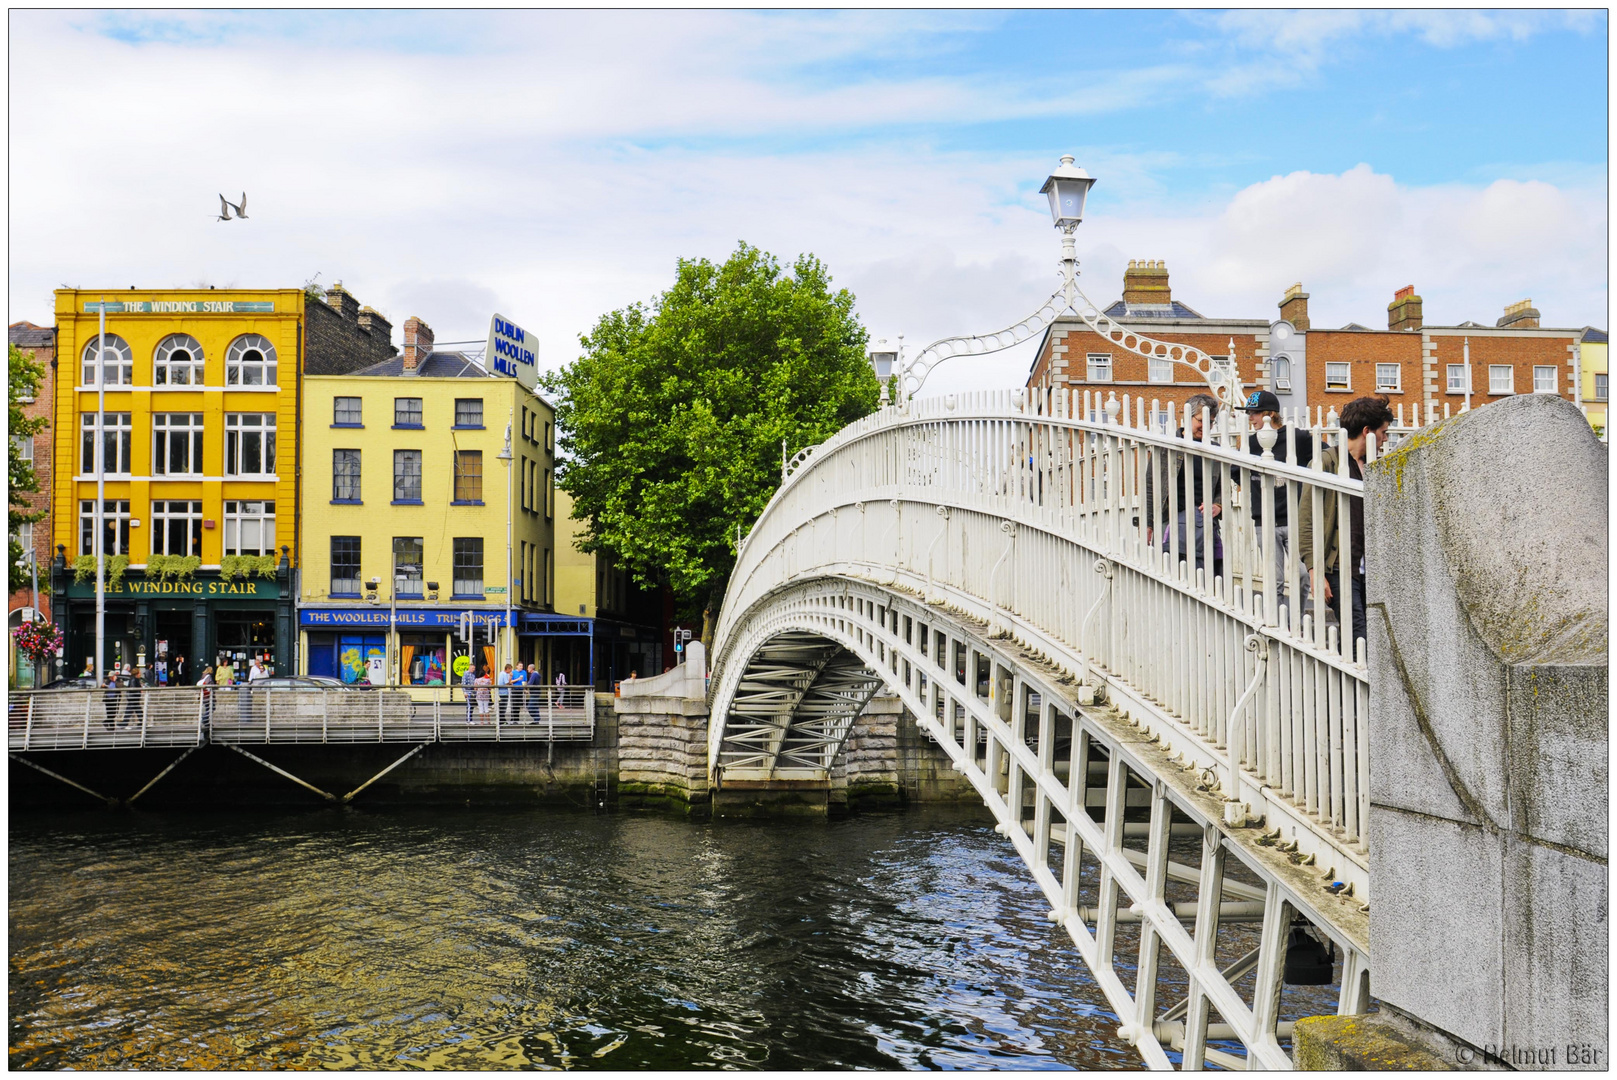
(505, 458)
(1067, 189)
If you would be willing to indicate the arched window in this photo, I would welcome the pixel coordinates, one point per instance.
(250, 361)
(117, 360)
(178, 361)
(1280, 369)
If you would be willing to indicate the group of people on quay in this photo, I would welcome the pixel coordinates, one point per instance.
(508, 693)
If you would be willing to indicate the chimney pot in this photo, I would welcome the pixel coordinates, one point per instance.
(1522, 315)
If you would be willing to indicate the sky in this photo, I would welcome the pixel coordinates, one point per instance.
(553, 166)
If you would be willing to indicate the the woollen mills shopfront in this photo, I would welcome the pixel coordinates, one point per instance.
(203, 619)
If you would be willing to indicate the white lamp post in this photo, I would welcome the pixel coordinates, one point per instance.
(1068, 190)
(505, 457)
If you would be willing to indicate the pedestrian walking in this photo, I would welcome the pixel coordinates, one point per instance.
(519, 695)
(111, 699)
(1202, 507)
(535, 691)
(206, 683)
(482, 695)
(1361, 418)
(177, 671)
(468, 683)
(1291, 445)
(502, 696)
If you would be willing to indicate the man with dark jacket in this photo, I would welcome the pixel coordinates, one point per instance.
(1194, 505)
(1291, 445)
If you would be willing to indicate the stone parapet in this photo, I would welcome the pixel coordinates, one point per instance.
(1487, 596)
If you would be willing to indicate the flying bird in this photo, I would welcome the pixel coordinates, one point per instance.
(226, 207)
(224, 210)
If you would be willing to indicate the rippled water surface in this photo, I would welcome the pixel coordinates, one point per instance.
(479, 939)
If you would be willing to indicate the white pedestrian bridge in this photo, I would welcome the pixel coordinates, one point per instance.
(1178, 752)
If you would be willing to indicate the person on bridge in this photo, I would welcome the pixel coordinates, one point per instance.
(1361, 418)
(502, 694)
(1294, 447)
(1207, 504)
(111, 700)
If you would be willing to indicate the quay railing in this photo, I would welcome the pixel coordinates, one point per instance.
(1057, 519)
(135, 717)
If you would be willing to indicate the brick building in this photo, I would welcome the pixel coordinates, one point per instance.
(1072, 355)
(40, 343)
(1414, 365)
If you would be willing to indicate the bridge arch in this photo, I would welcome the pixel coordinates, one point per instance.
(986, 559)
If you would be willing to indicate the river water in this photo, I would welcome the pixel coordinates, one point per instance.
(485, 940)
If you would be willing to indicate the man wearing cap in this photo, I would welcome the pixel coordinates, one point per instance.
(1294, 448)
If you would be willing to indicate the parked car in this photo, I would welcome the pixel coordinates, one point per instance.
(78, 682)
(299, 682)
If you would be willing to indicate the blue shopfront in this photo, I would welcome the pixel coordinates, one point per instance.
(351, 643)
(589, 652)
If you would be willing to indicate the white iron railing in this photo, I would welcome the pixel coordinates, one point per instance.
(190, 716)
(1014, 500)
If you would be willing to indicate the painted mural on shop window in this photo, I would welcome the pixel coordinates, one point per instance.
(354, 656)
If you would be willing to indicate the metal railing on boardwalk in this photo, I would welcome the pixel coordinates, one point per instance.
(191, 716)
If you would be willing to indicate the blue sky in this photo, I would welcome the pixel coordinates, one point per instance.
(553, 165)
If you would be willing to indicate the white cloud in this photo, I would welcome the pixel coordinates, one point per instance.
(544, 179)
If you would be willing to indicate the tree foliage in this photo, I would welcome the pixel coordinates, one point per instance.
(27, 375)
(671, 421)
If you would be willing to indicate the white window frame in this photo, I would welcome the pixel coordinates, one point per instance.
(165, 430)
(117, 427)
(166, 514)
(165, 367)
(237, 427)
(1159, 370)
(241, 371)
(25, 538)
(1602, 385)
(257, 513)
(1457, 378)
(1347, 375)
(1397, 383)
(1098, 367)
(117, 356)
(1540, 371)
(25, 446)
(1280, 372)
(117, 514)
(1509, 381)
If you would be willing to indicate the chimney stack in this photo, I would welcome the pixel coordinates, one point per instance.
(1521, 315)
(1404, 311)
(374, 323)
(1146, 282)
(417, 344)
(342, 301)
(1294, 306)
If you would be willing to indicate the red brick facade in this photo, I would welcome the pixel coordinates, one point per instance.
(1521, 350)
(40, 343)
(1362, 351)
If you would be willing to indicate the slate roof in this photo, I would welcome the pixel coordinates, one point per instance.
(28, 336)
(1593, 336)
(1173, 310)
(438, 365)
(1355, 326)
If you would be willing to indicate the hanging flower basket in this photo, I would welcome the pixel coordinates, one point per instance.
(37, 640)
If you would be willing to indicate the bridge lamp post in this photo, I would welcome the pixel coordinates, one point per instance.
(1067, 188)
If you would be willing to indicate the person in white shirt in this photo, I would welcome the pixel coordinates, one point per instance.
(257, 672)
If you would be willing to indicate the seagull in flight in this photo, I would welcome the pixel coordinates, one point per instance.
(225, 207)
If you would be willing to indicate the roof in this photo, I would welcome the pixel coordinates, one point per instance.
(1593, 336)
(27, 335)
(1172, 310)
(1355, 326)
(438, 365)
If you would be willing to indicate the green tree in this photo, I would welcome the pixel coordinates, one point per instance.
(27, 375)
(671, 421)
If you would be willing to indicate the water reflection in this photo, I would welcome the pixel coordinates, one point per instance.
(512, 939)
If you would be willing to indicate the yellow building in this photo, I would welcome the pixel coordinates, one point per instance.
(617, 628)
(407, 502)
(1596, 388)
(200, 449)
